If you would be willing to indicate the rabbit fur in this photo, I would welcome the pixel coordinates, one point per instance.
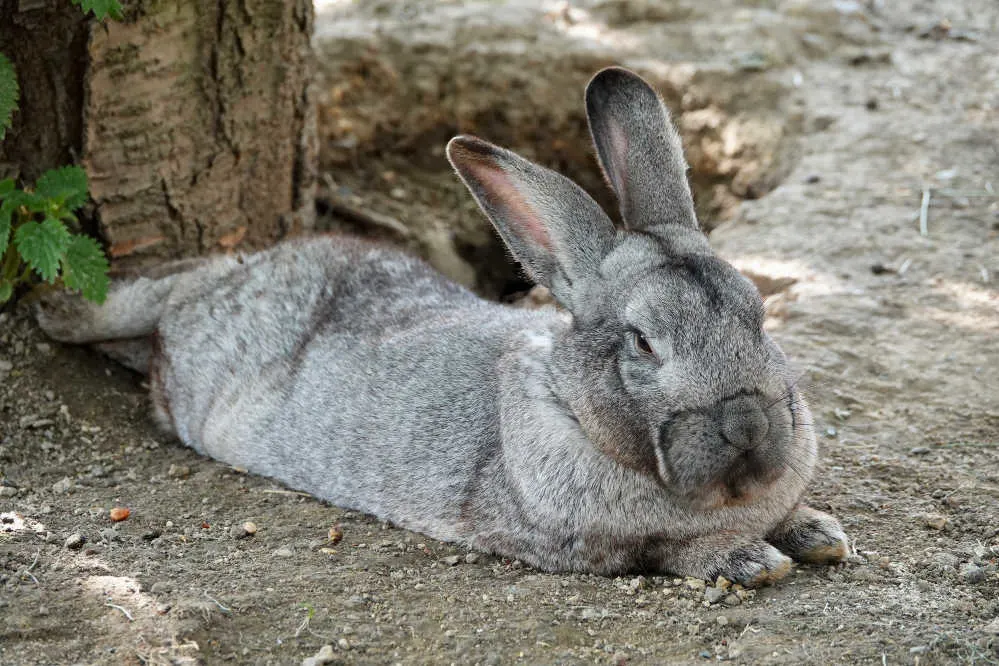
(650, 425)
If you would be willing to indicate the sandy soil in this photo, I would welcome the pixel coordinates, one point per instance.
(897, 337)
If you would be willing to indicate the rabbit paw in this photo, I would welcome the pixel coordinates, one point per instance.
(63, 316)
(750, 562)
(811, 536)
(755, 564)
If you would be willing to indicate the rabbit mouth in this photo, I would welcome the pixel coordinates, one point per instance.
(746, 480)
(707, 472)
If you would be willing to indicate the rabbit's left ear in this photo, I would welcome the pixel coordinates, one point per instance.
(554, 229)
(639, 149)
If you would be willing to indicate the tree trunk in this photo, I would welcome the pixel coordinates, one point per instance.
(192, 119)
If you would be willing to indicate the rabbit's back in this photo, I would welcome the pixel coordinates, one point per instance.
(341, 368)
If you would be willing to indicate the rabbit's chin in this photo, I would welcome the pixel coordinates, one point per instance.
(738, 487)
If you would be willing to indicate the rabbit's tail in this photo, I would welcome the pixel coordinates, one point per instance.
(122, 326)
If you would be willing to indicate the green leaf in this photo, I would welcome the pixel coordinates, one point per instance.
(86, 268)
(66, 186)
(9, 93)
(6, 291)
(42, 245)
(101, 8)
(6, 187)
(11, 202)
(29, 200)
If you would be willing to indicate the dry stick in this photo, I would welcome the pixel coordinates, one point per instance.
(341, 208)
(115, 606)
(216, 602)
(27, 572)
(924, 211)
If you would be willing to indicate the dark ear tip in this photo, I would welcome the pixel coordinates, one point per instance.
(468, 147)
(614, 80)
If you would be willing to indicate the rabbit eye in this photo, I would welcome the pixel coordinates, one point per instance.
(642, 345)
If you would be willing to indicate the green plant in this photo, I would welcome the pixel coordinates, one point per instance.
(35, 223)
(34, 237)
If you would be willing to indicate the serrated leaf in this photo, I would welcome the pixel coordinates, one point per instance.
(6, 291)
(11, 202)
(66, 185)
(101, 8)
(6, 187)
(9, 93)
(86, 268)
(29, 200)
(42, 245)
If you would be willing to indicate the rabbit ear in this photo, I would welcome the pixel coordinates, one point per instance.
(640, 150)
(554, 229)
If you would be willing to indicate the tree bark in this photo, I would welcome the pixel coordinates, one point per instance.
(192, 119)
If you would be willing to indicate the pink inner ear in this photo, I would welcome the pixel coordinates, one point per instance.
(510, 203)
(618, 155)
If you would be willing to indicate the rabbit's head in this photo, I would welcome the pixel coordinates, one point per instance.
(665, 365)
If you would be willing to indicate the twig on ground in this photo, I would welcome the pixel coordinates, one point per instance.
(27, 572)
(215, 601)
(123, 610)
(341, 208)
(924, 211)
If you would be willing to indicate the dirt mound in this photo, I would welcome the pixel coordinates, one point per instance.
(399, 79)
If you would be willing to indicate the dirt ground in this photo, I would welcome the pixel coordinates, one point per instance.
(896, 333)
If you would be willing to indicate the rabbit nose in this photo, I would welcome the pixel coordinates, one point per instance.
(744, 424)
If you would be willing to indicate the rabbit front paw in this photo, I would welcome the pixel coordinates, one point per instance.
(811, 536)
(750, 562)
(755, 564)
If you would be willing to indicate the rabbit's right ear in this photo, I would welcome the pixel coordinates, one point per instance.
(639, 149)
(554, 229)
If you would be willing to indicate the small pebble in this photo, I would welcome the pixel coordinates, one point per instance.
(7, 491)
(118, 514)
(343, 644)
(471, 558)
(63, 485)
(451, 560)
(324, 656)
(237, 532)
(284, 551)
(43, 347)
(721, 620)
(334, 535)
(972, 573)
(179, 471)
(695, 584)
(75, 541)
(732, 600)
(935, 521)
(714, 594)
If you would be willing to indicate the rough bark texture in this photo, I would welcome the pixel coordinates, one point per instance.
(47, 42)
(192, 119)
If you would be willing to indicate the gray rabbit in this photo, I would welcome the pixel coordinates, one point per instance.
(652, 425)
